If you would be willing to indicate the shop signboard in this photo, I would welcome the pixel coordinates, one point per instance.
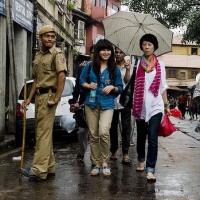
(22, 11)
(2, 7)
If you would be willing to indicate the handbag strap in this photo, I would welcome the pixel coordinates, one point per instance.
(134, 71)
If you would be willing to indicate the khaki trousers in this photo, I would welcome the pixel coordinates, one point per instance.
(99, 123)
(44, 160)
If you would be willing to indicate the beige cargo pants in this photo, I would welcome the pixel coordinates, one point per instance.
(44, 160)
(99, 123)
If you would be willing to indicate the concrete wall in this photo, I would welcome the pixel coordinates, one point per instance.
(2, 75)
(29, 61)
(20, 55)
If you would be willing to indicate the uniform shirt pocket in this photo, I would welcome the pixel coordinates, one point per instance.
(48, 66)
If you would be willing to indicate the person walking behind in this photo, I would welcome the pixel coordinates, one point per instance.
(124, 113)
(192, 106)
(103, 82)
(182, 103)
(49, 72)
(79, 96)
(172, 103)
(149, 103)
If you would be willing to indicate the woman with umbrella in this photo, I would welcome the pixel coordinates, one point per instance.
(149, 103)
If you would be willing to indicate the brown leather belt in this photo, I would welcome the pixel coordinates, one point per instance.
(40, 91)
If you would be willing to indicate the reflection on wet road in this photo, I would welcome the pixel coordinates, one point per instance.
(177, 172)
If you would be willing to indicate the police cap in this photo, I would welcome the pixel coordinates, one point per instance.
(46, 29)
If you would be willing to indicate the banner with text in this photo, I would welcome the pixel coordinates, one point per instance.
(2, 7)
(22, 11)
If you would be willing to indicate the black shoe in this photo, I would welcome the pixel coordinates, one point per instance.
(80, 159)
(51, 175)
(93, 165)
(28, 173)
(126, 160)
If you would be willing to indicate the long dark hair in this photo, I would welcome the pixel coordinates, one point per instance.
(104, 44)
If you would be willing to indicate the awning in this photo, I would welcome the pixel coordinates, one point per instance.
(177, 89)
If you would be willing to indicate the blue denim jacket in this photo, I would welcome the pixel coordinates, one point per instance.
(105, 101)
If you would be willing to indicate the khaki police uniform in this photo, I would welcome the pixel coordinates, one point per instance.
(46, 67)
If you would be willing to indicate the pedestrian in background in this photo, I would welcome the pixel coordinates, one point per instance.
(172, 102)
(103, 81)
(49, 72)
(79, 96)
(121, 115)
(182, 104)
(193, 107)
(149, 104)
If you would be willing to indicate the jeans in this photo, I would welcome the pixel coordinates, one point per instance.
(150, 129)
(125, 133)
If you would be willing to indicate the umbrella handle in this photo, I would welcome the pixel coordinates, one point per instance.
(24, 127)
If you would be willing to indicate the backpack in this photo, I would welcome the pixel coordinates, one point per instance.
(80, 117)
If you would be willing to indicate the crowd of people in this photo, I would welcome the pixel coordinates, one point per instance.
(187, 105)
(99, 84)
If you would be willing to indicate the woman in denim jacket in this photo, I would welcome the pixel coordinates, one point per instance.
(102, 79)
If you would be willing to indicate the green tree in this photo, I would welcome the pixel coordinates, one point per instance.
(172, 14)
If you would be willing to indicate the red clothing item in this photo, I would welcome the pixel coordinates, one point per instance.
(182, 100)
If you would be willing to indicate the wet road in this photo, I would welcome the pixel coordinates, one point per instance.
(177, 172)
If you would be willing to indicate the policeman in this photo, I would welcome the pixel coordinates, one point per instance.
(49, 73)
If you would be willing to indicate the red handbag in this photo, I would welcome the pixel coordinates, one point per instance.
(166, 127)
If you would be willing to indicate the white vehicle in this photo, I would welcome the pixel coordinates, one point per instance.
(62, 109)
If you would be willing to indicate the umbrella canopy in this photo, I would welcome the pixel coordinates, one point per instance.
(124, 30)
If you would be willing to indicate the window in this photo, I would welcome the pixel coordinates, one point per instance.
(182, 75)
(114, 7)
(94, 2)
(79, 31)
(194, 51)
(60, 17)
(172, 73)
(28, 86)
(102, 2)
(194, 74)
(68, 89)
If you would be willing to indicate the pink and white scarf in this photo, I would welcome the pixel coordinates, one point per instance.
(140, 81)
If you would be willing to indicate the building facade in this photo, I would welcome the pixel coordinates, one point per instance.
(182, 65)
(16, 25)
(99, 10)
(57, 14)
(87, 16)
(20, 21)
